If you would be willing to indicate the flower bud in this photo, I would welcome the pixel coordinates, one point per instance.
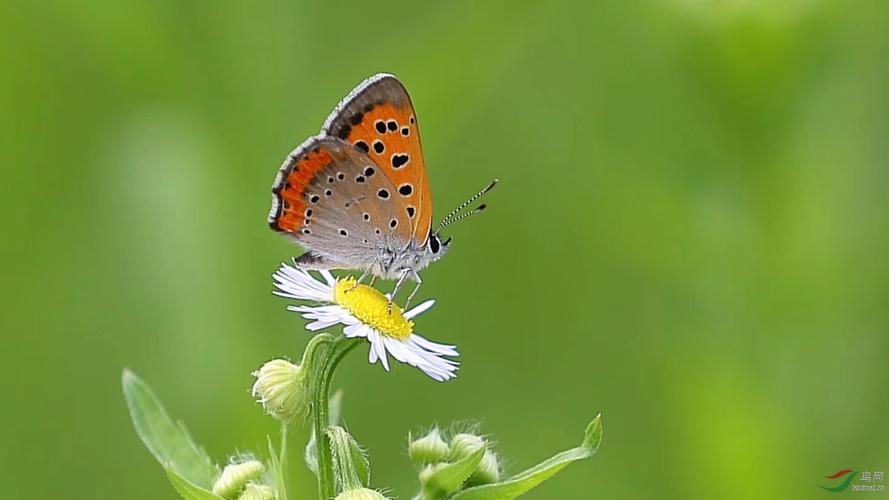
(256, 491)
(281, 388)
(360, 494)
(488, 470)
(428, 471)
(430, 448)
(463, 445)
(236, 475)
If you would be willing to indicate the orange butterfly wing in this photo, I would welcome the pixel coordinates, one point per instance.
(378, 118)
(289, 205)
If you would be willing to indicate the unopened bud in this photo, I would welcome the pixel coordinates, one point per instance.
(463, 445)
(488, 470)
(281, 388)
(429, 470)
(430, 448)
(360, 494)
(235, 476)
(255, 491)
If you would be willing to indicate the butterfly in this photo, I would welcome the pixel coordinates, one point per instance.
(357, 196)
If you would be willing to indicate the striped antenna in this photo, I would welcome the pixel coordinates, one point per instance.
(481, 208)
(450, 218)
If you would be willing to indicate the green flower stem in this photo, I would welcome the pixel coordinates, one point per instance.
(328, 351)
(282, 463)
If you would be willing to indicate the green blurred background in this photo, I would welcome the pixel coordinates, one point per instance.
(690, 235)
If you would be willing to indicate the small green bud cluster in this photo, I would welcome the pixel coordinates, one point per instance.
(241, 480)
(437, 458)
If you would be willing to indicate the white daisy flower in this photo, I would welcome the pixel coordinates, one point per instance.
(365, 313)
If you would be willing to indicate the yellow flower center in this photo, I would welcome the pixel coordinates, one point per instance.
(372, 308)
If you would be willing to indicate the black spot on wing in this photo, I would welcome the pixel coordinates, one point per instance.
(400, 160)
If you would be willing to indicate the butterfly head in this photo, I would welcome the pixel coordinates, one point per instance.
(436, 247)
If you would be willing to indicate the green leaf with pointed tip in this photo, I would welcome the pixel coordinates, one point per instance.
(335, 409)
(350, 464)
(524, 481)
(277, 466)
(166, 439)
(448, 478)
(362, 463)
(311, 456)
(187, 489)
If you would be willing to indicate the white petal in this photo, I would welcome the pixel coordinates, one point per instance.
(330, 315)
(348, 319)
(320, 325)
(419, 309)
(395, 347)
(430, 363)
(356, 330)
(377, 344)
(442, 349)
(300, 284)
(328, 277)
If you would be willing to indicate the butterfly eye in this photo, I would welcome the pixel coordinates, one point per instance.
(434, 244)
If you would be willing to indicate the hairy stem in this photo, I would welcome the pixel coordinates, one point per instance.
(328, 354)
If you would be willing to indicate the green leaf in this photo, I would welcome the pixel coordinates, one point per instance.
(448, 478)
(187, 489)
(362, 463)
(312, 453)
(167, 440)
(530, 478)
(335, 409)
(350, 464)
(277, 465)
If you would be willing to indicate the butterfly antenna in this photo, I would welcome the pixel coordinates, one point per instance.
(462, 216)
(450, 218)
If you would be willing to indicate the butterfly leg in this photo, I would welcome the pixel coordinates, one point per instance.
(360, 279)
(410, 297)
(403, 276)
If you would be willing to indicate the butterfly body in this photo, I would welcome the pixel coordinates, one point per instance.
(357, 196)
